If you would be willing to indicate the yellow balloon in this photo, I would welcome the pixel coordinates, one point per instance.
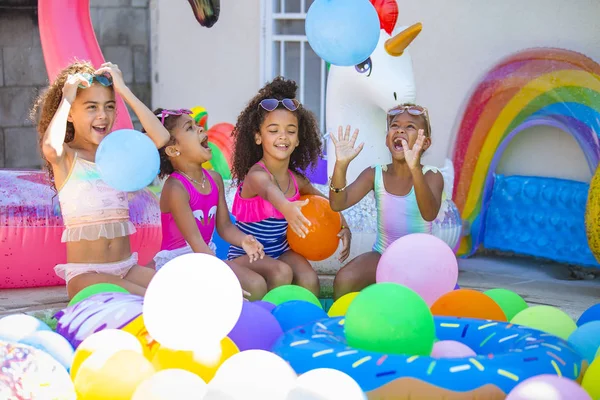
(201, 364)
(591, 379)
(340, 306)
(115, 377)
(592, 215)
(138, 329)
(598, 353)
(107, 341)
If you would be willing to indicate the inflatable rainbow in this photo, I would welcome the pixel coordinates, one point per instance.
(542, 86)
(219, 141)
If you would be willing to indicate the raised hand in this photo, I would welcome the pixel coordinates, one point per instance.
(71, 84)
(115, 73)
(413, 156)
(296, 220)
(253, 248)
(344, 145)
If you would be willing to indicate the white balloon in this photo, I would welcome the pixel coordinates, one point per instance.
(171, 384)
(254, 375)
(192, 299)
(326, 384)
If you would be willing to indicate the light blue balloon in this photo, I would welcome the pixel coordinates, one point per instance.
(15, 327)
(127, 160)
(586, 340)
(54, 344)
(343, 32)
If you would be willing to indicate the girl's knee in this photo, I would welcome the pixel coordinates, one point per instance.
(279, 274)
(256, 286)
(309, 280)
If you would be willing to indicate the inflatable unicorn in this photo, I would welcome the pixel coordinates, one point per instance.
(361, 95)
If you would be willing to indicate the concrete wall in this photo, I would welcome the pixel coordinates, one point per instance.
(217, 68)
(123, 31)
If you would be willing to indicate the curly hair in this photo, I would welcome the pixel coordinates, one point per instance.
(246, 152)
(166, 168)
(48, 102)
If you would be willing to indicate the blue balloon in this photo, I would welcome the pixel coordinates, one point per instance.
(294, 313)
(53, 344)
(586, 340)
(222, 246)
(15, 327)
(591, 314)
(343, 32)
(127, 160)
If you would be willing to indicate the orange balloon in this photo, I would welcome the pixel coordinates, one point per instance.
(321, 241)
(467, 303)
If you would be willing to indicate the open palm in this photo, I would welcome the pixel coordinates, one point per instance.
(413, 156)
(344, 145)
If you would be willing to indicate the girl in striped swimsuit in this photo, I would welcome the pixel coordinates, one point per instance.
(275, 138)
(408, 195)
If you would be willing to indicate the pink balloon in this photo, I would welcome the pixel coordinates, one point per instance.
(546, 387)
(421, 262)
(451, 349)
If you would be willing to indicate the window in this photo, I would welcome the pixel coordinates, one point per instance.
(285, 51)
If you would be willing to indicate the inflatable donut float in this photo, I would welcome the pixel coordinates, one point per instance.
(507, 355)
(31, 227)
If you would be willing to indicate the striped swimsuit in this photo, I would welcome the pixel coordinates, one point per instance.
(256, 216)
(397, 216)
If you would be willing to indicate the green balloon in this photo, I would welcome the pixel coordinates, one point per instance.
(547, 319)
(95, 289)
(390, 318)
(510, 302)
(285, 293)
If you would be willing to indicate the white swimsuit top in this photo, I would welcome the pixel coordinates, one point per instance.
(90, 208)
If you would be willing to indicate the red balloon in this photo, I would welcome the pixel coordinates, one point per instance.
(321, 241)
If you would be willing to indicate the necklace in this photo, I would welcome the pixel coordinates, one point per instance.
(277, 183)
(193, 180)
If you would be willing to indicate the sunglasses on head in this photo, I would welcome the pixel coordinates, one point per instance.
(165, 113)
(104, 80)
(272, 104)
(412, 110)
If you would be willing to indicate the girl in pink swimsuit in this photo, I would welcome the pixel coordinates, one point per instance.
(275, 139)
(192, 201)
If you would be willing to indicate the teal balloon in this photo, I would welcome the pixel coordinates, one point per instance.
(586, 340)
(127, 160)
(343, 32)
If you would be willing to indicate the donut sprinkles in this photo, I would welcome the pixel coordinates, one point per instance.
(507, 355)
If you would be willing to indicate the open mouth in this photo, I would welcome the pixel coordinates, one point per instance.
(101, 129)
(397, 143)
(282, 146)
(204, 143)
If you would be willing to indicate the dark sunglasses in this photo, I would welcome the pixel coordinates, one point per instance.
(104, 80)
(272, 104)
(412, 110)
(165, 113)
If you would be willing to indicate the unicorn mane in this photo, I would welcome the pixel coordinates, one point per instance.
(387, 10)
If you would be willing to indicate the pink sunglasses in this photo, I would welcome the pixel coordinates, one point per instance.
(165, 113)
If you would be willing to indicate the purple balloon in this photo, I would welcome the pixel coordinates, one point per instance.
(101, 311)
(456, 287)
(265, 304)
(451, 349)
(256, 328)
(542, 387)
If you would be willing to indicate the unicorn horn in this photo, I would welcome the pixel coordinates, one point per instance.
(396, 45)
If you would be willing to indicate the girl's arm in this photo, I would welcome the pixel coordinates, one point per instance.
(53, 142)
(228, 231)
(259, 181)
(341, 195)
(428, 191)
(152, 125)
(177, 201)
(306, 188)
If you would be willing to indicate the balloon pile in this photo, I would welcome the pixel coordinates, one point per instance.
(196, 335)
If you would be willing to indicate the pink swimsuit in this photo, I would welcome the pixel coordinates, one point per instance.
(256, 216)
(204, 209)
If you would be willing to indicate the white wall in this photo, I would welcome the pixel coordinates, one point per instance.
(461, 40)
(217, 68)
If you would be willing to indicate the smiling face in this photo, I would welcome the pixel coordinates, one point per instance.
(93, 113)
(278, 134)
(191, 142)
(405, 127)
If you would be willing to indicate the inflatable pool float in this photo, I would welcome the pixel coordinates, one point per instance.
(31, 227)
(507, 355)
